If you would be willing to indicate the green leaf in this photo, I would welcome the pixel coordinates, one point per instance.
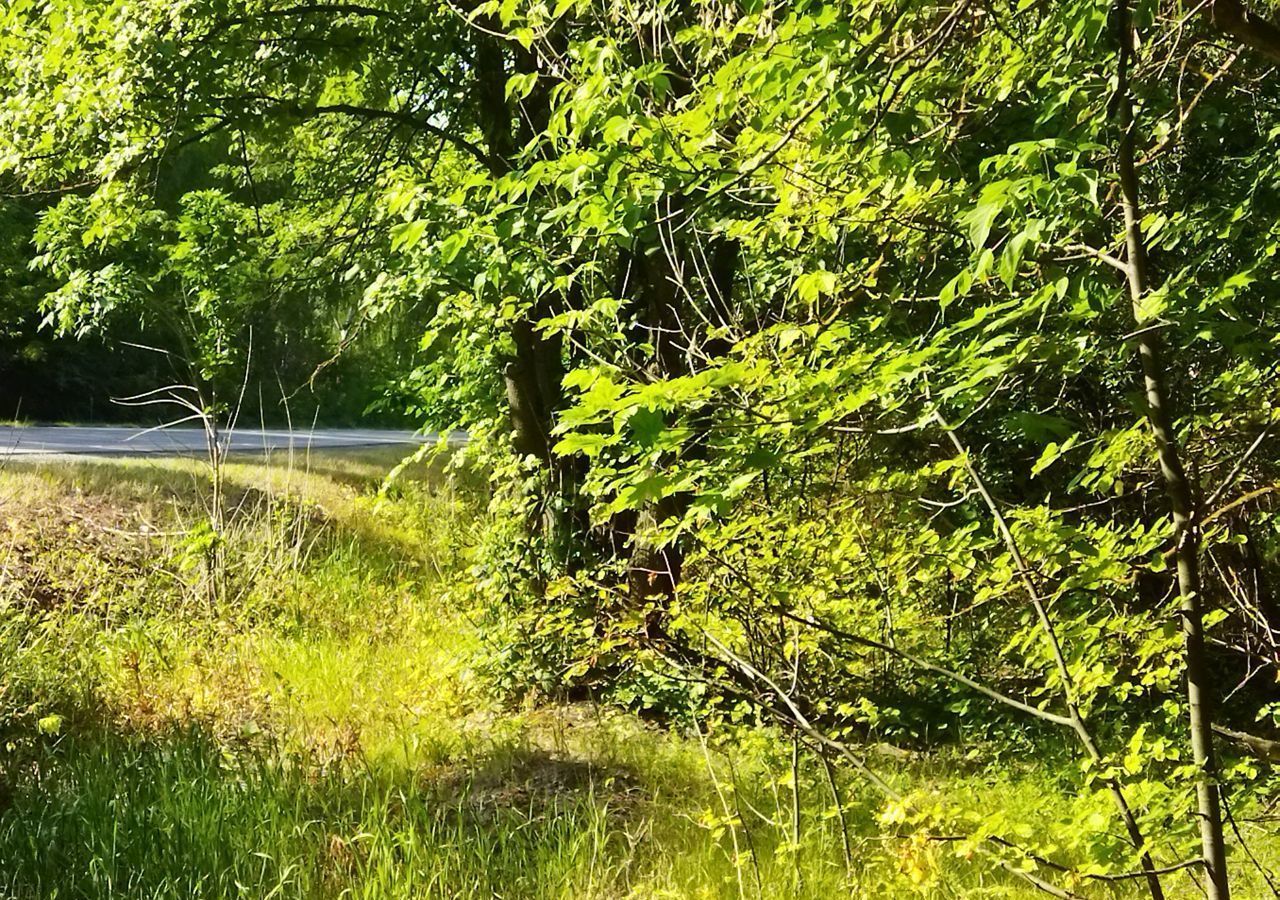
(982, 217)
(616, 129)
(810, 286)
(520, 86)
(407, 235)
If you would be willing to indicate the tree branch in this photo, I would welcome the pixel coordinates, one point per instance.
(1040, 605)
(958, 677)
(1263, 748)
(305, 9)
(406, 119)
(793, 716)
(1233, 18)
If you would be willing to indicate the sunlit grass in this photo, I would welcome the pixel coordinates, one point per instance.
(328, 735)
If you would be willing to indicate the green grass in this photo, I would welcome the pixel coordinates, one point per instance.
(326, 733)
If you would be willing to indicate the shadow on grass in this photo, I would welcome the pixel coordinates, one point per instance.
(180, 815)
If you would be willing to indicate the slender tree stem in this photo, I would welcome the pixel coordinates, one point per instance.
(1186, 528)
(1075, 717)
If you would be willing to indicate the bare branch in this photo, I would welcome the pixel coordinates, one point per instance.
(1239, 466)
(1235, 19)
(1263, 748)
(978, 686)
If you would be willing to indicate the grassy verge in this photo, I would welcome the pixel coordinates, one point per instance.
(325, 734)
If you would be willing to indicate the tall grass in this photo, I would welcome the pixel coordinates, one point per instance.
(324, 733)
(186, 817)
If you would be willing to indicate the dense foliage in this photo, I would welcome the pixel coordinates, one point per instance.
(880, 369)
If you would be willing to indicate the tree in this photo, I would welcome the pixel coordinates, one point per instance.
(799, 339)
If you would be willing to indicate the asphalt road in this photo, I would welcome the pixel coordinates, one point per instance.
(104, 440)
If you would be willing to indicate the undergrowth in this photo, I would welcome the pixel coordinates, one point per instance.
(326, 734)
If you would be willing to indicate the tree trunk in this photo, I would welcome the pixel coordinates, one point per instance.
(533, 373)
(1177, 489)
(652, 279)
